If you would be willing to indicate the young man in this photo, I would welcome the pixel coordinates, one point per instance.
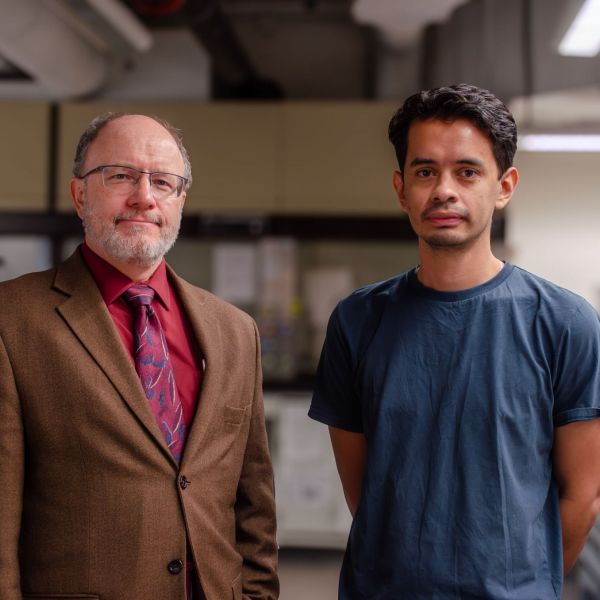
(463, 396)
(133, 453)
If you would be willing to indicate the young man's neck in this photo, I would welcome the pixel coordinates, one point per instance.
(450, 270)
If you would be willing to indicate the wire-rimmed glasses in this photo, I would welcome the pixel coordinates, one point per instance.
(123, 180)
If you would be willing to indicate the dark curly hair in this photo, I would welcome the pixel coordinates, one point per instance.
(462, 101)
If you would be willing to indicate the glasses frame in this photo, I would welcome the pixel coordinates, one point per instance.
(100, 169)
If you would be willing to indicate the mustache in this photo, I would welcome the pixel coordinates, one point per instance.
(149, 217)
(460, 212)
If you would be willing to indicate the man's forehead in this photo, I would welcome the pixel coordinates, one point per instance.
(135, 125)
(131, 136)
(438, 132)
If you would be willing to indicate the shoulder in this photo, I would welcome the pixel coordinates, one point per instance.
(551, 298)
(559, 313)
(357, 317)
(25, 286)
(199, 299)
(370, 301)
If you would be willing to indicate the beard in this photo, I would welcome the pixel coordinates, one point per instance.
(135, 246)
(448, 238)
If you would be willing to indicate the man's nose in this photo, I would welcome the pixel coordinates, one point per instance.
(142, 193)
(445, 188)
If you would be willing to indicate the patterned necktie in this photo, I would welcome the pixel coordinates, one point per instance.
(154, 368)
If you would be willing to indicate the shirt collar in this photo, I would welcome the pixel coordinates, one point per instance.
(112, 283)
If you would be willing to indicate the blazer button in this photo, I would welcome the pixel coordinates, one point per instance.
(175, 567)
(183, 482)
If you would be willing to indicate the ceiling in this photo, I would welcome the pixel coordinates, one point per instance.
(295, 49)
(305, 48)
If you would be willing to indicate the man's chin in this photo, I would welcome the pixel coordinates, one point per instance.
(140, 252)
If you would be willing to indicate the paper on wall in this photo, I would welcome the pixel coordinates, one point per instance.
(234, 272)
(324, 287)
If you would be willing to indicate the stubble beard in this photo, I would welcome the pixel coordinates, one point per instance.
(135, 247)
(449, 239)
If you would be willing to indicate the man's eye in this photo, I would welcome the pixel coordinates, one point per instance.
(163, 183)
(469, 173)
(120, 177)
(424, 172)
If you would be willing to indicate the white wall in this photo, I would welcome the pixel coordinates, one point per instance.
(553, 221)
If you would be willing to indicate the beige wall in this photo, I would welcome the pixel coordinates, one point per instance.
(553, 226)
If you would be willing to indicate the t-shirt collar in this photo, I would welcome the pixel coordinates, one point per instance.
(112, 283)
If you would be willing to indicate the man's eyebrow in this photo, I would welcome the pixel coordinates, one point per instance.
(415, 162)
(470, 161)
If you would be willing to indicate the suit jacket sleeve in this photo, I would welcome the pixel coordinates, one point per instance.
(11, 479)
(255, 505)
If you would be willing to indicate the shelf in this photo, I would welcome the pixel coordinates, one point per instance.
(214, 226)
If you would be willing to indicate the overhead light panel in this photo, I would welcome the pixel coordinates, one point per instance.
(583, 36)
(560, 143)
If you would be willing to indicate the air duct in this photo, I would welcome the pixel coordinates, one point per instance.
(38, 41)
(233, 70)
(508, 46)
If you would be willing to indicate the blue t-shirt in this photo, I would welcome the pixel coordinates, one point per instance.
(458, 395)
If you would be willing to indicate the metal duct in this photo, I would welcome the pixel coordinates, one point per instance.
(35, 39)
(234, 73)
(508, 46)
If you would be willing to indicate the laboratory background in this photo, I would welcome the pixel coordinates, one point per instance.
(284, 106)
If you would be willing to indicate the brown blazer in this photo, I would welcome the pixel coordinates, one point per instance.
(92, 504)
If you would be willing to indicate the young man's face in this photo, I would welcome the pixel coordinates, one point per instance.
(450, 185)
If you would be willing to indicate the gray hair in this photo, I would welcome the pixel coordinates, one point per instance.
(93, 129)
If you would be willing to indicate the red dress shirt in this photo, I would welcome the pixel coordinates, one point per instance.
(184, 352)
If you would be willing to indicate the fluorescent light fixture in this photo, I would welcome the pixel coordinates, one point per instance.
(583, 36)
(560, 143)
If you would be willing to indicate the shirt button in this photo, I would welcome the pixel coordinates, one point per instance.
(175, 567)
(183, 482)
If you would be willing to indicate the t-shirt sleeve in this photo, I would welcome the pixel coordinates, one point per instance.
(335, 401)
(577, 369)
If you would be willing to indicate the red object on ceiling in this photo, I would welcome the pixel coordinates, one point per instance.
(158, 8)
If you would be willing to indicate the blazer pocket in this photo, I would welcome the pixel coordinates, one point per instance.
(60, 597)
(236, 588)
(234, 415)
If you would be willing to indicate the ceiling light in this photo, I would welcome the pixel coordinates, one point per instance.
(560, 143)
(583, 36)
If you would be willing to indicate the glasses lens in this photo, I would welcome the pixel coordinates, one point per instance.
(124, 179)
(165, 185)
(120, 178)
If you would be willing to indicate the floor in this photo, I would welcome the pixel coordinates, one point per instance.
(313, 575)
(309, 574)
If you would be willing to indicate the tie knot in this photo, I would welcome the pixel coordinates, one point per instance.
(139, 294)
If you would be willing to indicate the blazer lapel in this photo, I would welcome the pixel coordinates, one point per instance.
(86, 314)
(208, 334)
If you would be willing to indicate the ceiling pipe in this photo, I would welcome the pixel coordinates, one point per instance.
(35, 39)
(125, 23)
(234, 72)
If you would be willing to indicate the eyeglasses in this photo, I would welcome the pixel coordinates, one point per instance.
(122, 180)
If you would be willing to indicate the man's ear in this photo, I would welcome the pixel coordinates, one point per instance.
(77, 189)
(508, 185)
(398, 182)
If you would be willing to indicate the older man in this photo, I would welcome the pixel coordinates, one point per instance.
(133, 454)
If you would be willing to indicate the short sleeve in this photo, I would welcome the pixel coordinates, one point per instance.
(335, 401)
(577, 369)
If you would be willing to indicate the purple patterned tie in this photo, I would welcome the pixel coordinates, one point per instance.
(154, 368)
